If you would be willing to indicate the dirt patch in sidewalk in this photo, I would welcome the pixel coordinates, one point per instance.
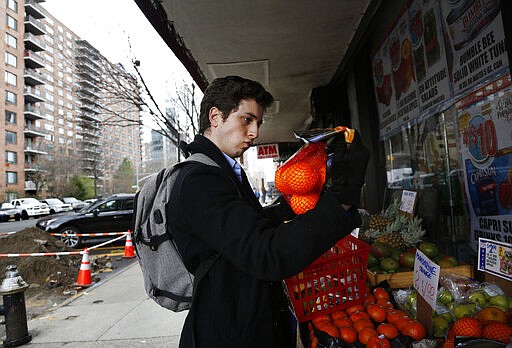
(51, 279)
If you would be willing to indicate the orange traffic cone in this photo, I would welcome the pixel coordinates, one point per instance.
(84, 275)
(128, 246)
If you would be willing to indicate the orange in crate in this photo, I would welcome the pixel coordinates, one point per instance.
(335, 281)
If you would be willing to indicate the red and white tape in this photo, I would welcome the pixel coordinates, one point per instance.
(62, 253)
(89, 234)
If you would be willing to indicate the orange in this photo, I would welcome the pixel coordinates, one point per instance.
(365, 334)
(301, 204)
(342, 322)
(338, 315)
(321, 318)
(388, 330)
(380, 294)
(281, 183)
(329, 328)
(394, 315)
(402, 322)
(378, 341)
(377, 313)
(470, 327)
(354, 308)
(362, 323)
(491, 314)
(359, 315)
(348, 334)
(385, 303)
(498, 331)
(301, 178)
(370, 299)
(414, 330)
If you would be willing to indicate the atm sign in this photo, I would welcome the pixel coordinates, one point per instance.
(268, 151)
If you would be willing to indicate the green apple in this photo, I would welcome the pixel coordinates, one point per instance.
(440, 326)
(445, 296)
(478, 298)
(460, 310)
(499, 301)
(447, 316)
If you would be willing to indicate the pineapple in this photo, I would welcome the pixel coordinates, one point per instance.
(394, 228)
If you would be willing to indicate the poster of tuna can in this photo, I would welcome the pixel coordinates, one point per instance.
(485, 138)
(477, 51)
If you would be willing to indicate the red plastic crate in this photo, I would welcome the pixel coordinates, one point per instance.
(335, 281)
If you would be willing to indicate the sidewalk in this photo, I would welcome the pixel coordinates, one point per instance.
(113, 313)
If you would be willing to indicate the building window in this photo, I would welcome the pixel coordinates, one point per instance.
(12, 23)
(10, 117)
(11, 59)
(10, 137)
(11, 157)
(10, 97)
(10, 78)
(11, 41)
(11, 177)
(13, 5)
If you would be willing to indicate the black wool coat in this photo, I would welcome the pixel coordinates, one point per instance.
(239, 302)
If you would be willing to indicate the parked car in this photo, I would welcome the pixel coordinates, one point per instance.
(30, 207)
(90, 201)
(75, 203)
(111, 214)
(57, 206)
(8, 212)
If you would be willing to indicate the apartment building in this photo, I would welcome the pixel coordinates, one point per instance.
(61, 118)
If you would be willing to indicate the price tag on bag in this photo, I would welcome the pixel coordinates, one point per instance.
(426, 278)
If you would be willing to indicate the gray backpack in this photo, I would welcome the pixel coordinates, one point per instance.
(166, 279)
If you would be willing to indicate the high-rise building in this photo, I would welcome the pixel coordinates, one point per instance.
(62, 114)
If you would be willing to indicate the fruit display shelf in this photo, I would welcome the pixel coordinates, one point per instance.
(399, 280)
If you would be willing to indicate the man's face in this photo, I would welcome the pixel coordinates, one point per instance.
(236, 133)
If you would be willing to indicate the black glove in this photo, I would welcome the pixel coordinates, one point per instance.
(347, 169)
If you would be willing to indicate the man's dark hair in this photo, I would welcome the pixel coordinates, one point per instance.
(225, 93)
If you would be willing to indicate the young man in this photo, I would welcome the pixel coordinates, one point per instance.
(241, 302)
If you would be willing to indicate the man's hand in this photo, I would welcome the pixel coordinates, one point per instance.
(348, 168)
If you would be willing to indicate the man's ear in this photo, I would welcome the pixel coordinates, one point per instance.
(214, 116)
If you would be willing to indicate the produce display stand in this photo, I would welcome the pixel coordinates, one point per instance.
(399, 280)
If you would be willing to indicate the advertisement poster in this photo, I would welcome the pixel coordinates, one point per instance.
(485, 123)
(386, 102)
(428, 48)
(477, 50)
(495, 258)
(402, 67)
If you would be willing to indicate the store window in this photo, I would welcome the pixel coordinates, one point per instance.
(11, 157)
(10, 97)
(10, 78)
(11, 177)
(11, 59)
(10, 117)
(424, 158)
(10, 137)
(12, 23)
(11, 41)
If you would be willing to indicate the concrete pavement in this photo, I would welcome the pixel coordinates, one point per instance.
(113, 313)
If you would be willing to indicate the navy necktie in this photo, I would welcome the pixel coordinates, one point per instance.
(238, 171)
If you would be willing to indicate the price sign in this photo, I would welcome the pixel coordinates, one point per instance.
(408, 201)
(426, 278)
(495, 258)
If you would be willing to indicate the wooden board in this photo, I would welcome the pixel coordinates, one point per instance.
(404, 279)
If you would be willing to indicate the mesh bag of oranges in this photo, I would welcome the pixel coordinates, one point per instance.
(302, 177)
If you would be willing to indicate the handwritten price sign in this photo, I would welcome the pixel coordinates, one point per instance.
(426, 278)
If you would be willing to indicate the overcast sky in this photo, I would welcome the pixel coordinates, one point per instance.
(121, 32)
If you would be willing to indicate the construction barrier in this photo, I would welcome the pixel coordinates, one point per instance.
(7, 233)
(129, 252)
(84, 274)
